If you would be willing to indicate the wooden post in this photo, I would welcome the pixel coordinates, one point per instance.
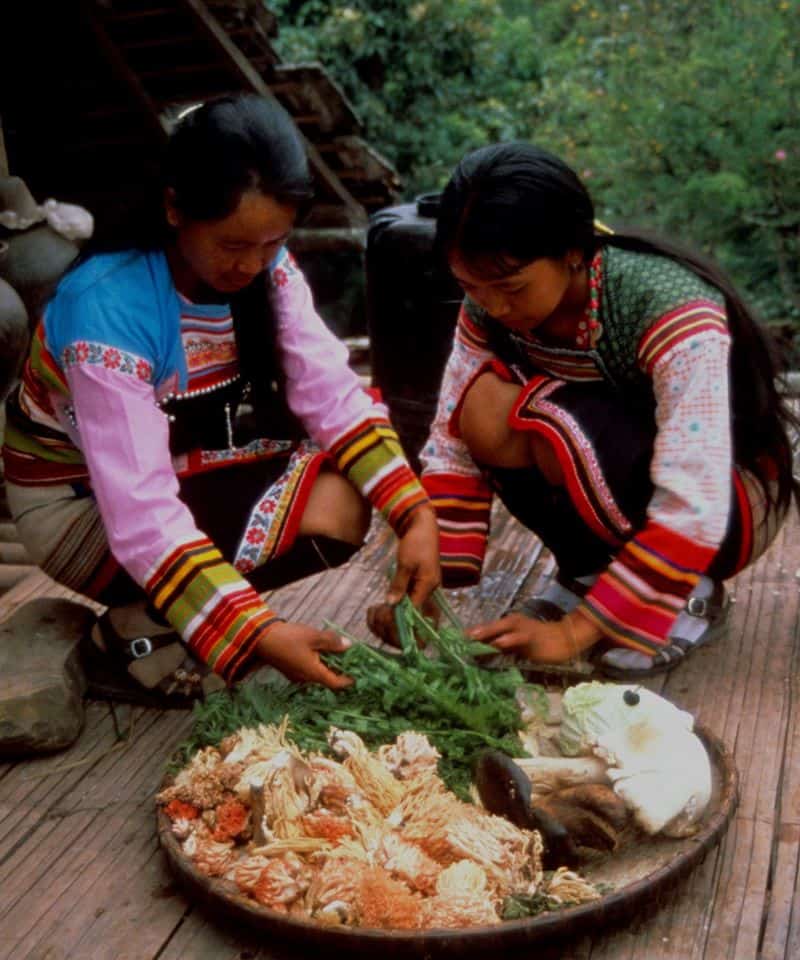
(250, 77)
(3, 154)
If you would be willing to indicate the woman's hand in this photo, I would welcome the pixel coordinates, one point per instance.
(381, 621)
(418, 572)
(293, 648)
(554, 641)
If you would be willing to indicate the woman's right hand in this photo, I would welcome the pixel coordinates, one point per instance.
(294, 648)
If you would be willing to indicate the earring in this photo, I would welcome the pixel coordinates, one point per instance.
(575, 266)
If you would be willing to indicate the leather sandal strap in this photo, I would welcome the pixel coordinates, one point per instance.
(130, 649)
(708, 608)
(668, 656)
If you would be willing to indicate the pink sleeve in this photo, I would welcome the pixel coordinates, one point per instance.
(322, 390)
(124, 437)
(333, 406)
(151, 532)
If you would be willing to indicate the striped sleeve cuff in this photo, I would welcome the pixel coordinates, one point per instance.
(463, 509)
(677, 326)
(219, 615)
(372, 459)
(636, 600)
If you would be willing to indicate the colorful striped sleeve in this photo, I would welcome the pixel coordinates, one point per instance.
(456, 486)
(219, 615)
(463, 510)
(637, 599)
(371, 458)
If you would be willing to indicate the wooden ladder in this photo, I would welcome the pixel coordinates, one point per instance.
(170, 54)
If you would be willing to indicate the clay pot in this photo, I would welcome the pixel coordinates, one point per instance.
(34, 263)
(17, 201)
(13, 334)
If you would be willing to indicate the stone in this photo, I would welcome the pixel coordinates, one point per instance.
(41, 679)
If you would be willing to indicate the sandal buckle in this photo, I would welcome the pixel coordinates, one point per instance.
(140, 647)
(697, 606)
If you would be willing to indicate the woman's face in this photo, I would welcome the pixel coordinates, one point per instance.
(227, 254)
(526, 298)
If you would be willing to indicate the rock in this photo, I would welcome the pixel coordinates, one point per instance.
(41, 680)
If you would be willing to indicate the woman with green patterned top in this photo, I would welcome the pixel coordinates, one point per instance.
(618, 396)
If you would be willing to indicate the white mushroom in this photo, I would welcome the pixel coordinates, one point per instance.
(554, 773)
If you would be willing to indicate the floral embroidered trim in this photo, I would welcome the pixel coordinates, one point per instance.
(273, 524)
(286, 268)
(201, 354)
(584, 477)
(112, 358)
(255, 450)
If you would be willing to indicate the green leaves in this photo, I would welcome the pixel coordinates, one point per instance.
(439, 691)
(681, 116)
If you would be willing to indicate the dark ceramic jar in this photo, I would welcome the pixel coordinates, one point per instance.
(13, 331)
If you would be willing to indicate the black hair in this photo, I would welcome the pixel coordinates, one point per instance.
(511, 203)
(233, 144)
(214, 154)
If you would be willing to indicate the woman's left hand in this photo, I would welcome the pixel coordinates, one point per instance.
(418, 572)
(553, 641)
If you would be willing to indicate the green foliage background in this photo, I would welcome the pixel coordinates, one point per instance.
(681, 116)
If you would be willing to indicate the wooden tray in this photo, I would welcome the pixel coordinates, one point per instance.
(640, 876)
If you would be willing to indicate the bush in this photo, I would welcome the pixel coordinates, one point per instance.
(682, 116)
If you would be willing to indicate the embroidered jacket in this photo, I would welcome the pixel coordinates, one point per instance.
(662, 340)
(116, 339)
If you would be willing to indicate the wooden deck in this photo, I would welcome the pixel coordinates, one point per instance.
(82, 876)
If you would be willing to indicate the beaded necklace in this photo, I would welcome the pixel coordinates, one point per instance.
(589, 329)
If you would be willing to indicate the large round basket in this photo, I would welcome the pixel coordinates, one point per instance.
(638, 875)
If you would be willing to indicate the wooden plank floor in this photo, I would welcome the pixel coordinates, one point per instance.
(81, 874)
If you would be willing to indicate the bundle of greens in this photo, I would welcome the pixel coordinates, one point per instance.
(438, 690)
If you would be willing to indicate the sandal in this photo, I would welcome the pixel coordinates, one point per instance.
(152, 671)
(702, 620)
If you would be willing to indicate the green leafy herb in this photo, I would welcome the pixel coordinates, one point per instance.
(520, 906)
(440, 691)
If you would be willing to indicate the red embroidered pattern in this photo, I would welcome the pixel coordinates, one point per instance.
(112, 358)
